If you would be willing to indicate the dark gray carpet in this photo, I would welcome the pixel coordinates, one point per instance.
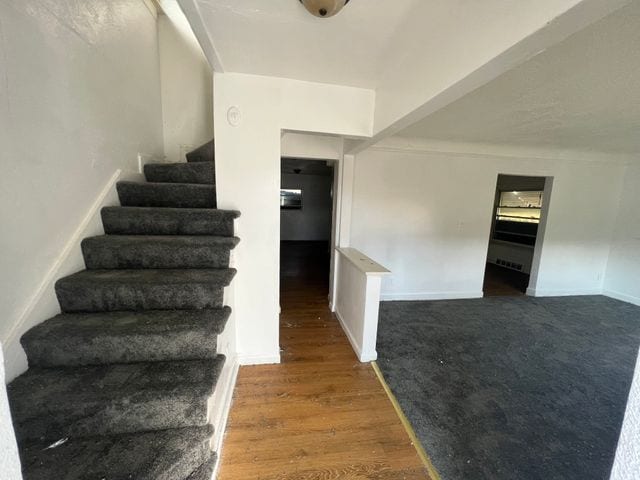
(513, 388)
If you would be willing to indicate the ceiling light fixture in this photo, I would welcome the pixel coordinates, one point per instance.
(324, 8)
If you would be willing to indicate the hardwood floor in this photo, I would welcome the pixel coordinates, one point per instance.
(503, 282)
(321, 414)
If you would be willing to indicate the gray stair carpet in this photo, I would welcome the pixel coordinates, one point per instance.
(101, 338)
(157, 251)
(120, 383)
(205, 471)
(157, 455)
(142, 289)
(204, 153)
(200, 172)
(168, 221)
(190, 195)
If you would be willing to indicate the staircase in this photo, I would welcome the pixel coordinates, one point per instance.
(119, 382)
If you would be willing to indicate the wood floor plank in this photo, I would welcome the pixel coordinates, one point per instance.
(321, 414)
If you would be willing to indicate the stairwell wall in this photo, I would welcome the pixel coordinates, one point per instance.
(79, 100)
(248, 179)
(433, 213)
(187, 96)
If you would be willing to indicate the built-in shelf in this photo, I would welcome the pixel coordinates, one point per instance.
(512, 244)
(516, 234)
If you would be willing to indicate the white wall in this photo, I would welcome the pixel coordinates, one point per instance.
(358, 300)
(9, 459)
(310, 146)
(626, 465)
(623, 272)
(79, 99)
(313, 220)
(187, 93)
(248, 179)
(426, 215)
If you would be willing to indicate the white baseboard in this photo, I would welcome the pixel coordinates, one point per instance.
(223, 403)
(363, 356)
(43, 303)
(385, 297)
(537, 292)
(622, 296)
(266, 359)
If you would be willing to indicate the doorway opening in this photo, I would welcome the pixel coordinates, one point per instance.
(306, 221)
(515, 230)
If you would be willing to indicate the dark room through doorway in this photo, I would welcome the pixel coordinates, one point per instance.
(516, 218)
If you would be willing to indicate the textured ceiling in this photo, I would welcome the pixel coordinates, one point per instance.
(280, 38)
(583, 93)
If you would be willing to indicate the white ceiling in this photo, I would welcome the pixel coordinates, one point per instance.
(583, 93)
(280, 38)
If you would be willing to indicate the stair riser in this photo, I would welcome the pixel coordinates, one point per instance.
(204, 153)
(122, 221)
(76, 351)
(202, 173)
(97, 256)
(101, 298)
(166, 195)
(166, 455)
(102, 418)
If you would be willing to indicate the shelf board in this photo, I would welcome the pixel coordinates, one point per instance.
(530, 208)
(513, 234)
(512, 244)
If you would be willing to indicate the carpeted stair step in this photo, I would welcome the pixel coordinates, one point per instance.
(75, 339)
(111, 290)
(204, 153)
(169, 251)
(55, 403)
(179, 195)
(168, 221)
(196, 172)
(205, 471)
(161, 455)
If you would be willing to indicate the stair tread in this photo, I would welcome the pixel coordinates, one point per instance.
(57, 402)
(93, 324)
(167, 185)
(178, 210)
(177, 164)
(218, 276)
(157, 251)
(143, 289)
(192, 377)
(172, 240)
(74, 339)
(168, 221)
(196, 172)
(159, 455)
